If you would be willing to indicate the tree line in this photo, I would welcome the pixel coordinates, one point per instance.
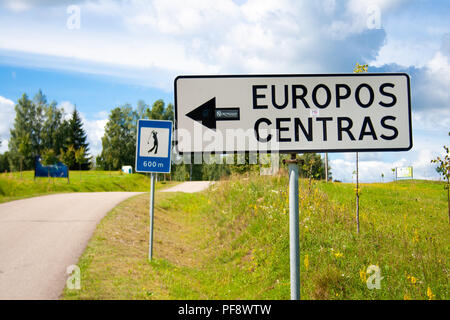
(119, 139)
(41, 129)
(119, 143)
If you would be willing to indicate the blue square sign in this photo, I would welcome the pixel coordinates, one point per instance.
(153, 146)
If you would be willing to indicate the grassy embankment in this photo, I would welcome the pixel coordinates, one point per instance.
(15, 186)
(232, 242)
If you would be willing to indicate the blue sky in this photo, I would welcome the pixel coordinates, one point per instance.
(123, 51)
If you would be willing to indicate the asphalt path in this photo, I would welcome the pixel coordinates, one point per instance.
(41, 237)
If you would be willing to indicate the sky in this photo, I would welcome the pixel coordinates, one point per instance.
(97, 55)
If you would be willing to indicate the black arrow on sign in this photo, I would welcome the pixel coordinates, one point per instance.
(208, 114)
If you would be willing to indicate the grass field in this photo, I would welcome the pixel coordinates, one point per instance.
(15, 185)
(232, 242)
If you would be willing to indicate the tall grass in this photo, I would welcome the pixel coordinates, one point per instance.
(232, 242)
(403, 232)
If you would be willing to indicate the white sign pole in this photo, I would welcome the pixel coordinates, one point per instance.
(152, 204)
(294, 239)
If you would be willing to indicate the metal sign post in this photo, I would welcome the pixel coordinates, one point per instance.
(152, 205)
(153, 153)
(294, 239)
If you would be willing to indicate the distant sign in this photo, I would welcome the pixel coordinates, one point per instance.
(404, 172)
(153, 146)
(293, 113)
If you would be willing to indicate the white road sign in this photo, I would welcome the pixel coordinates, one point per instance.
(404, 172)
(293, 113)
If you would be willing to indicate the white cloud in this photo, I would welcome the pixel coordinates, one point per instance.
(404, 53)
(17, 5)
(369, 171)
(432, 120)
(95, 130)
(371, 165)
(357, 16)
(422, 167)
(25, 5)
(414, 34)
(438, 74)
(362, 156)
(139, 38)
(175, 18)
(68, 108)
(153, 41)
(7, 115)
(384, 5)
(431, 89)
(101, 115)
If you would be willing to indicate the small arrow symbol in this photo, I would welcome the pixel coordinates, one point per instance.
(208, 114)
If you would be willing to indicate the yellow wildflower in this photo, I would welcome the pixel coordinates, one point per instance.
(412, 279)
(363, 275)
(415, 238)
(306, 262)
(430, 294)
(406, 297)
(338, 255)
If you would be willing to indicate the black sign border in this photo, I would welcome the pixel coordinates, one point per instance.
(175, 136)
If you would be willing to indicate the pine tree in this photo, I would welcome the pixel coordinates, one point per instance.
(76, 137)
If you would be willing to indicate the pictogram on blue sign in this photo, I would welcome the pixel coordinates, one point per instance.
(153, 146)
